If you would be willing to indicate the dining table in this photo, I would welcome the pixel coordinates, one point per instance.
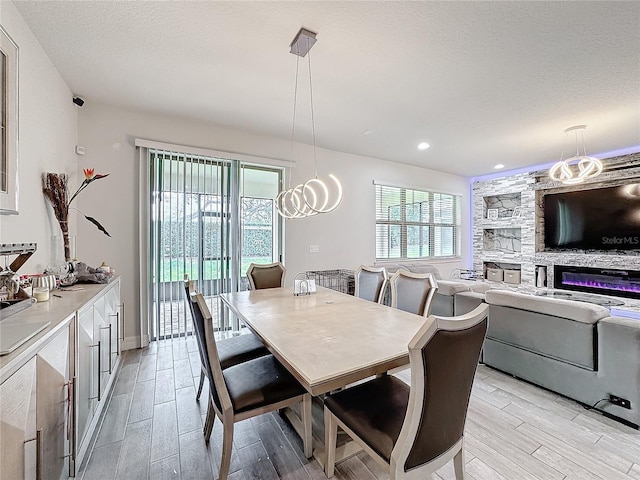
(327, 339)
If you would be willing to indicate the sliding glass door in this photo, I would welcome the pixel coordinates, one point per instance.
(209, 218)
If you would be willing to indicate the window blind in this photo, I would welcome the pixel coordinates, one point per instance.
(416, 224)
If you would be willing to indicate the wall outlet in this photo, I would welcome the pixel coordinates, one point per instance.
(620, 402)
(314, 248)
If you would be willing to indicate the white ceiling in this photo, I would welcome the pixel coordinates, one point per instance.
(482, 82)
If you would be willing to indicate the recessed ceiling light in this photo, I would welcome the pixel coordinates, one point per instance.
(499, 166)
(423, 146)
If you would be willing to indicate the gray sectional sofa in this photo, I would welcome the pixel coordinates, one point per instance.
(573, 348)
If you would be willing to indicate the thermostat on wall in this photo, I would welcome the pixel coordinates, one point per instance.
(79, 150)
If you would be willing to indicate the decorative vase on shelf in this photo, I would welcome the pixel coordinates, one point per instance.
(62, 252)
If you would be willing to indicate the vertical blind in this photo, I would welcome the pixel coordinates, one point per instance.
(209, 219)
(416, 224)
(190, 211)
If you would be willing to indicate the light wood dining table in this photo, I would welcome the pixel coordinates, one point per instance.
(327, 340)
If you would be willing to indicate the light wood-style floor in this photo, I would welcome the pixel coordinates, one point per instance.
(153, 430)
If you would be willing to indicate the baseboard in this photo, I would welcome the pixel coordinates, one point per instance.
(132, 343)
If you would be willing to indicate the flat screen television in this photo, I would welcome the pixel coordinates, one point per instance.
(596, 219)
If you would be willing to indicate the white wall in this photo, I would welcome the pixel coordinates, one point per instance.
(47, 136)
(345, 237)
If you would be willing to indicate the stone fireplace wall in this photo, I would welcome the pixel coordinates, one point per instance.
(502, 239)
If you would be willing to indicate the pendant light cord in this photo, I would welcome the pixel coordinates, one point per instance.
(313, 122)
(293, 123)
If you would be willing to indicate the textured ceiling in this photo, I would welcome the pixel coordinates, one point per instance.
(482, 82)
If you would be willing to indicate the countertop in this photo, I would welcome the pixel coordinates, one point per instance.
(59, 311)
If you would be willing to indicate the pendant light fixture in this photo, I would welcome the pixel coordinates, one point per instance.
(578, 168)
(314, 196)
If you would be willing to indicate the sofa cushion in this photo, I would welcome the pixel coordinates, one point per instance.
(475, 286)
(554, 337)
(451, 287)
(557, 307)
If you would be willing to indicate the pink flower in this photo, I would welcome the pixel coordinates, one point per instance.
(88, 173)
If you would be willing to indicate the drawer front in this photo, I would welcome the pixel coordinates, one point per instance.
(495, 274)
(512, 276)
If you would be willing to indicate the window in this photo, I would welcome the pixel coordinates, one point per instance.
(416, 224)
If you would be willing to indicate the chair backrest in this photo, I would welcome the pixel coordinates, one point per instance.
(269, 275)
(444, 355)
(204, 324)
(189, 290)
(371, 283)
(413, 292)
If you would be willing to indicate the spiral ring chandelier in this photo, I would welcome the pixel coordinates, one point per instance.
(314, 196)
(578, 168)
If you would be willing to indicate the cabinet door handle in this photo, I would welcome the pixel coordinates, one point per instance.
(39, 453)
(118, 333)
(71, 424)
(108, 327)
(121, 327)
(99, 345)
(117, 315)
(99, 370)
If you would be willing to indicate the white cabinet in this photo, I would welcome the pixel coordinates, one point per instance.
(97, 360)
(53, 388)
(113, 316)
(35, 410)
(86, 374)
(54, 406)
(18, 424)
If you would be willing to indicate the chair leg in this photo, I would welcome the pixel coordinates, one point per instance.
(209, 422)
(330, 439)
(458, 463)
(227, 447)
(307, 441)
(201, 384)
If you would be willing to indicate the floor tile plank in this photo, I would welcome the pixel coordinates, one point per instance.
(103, 462)
(256, 464)
(164, 439)
(279, 451)
(590, 457)
(189, 416)
(142, 403)
(117, 414)
(165, 386)
(194, 459)
(166, 469)
(134, 456)
(182, 373)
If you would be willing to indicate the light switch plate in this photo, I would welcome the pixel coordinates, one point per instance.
(314, 248)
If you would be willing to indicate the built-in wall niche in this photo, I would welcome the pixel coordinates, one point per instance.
(501, 206)
(506, 240)
(502, 272)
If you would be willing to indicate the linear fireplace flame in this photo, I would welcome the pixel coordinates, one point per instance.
(619, 283)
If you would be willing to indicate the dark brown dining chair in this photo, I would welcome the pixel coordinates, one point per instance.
(232, 350)
(413, 292)
(247, 390)
(415, 430)
(270, 275)
(371, 283)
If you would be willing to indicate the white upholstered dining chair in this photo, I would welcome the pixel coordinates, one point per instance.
(270, 275)
(415, 430)
(413, 292)
(371, 283)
